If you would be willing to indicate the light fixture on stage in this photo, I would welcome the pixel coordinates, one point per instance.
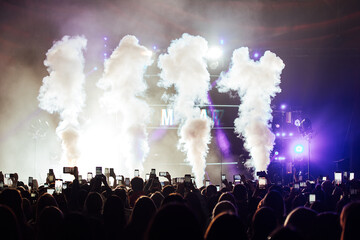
(278, 134)
(283, 134)
(283, 106)
(299, 148)
(291, 134)
(297, 122)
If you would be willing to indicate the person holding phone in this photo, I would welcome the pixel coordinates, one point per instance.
(137, 185)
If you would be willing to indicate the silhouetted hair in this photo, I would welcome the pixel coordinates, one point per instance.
(226, 226)
(137, 184)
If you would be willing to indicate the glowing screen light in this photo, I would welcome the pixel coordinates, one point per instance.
(299, 148)
(297, 122)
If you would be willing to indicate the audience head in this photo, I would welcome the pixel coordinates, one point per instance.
(157, 197)
(303, 220)
(49, 222)
(263, 223)
(225, 226)
(93, 204)
(174, 221)
(349, 220)
(9, 223)
(224, 206)
(137, 184)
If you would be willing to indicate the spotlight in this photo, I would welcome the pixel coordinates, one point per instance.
(214, 53)
(283, 106)
(277, 125)
(291, 134)
(299, 148)
(283, 134)
(297, 122)
(276, 153)
(256, 55)
(222, 41)
(154, 47)
(105, 38)
(277, 134)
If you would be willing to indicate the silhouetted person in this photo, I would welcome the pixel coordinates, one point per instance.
(75, 227)
(226, 226)
(157, 197)
(45, 200)
(327, 226)
(303, 220)
(11, 198)
(49, 223)
(93, 205)
(114, 217)
(143, 211)
(174, 221)
(9, 226)
(349, 220)
(263, 223)
(173, 198)
(137, 185)
(224, 206)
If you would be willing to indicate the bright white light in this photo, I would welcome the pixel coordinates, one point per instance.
(277, 134)
(283, 134)
(214, 53)
(297, 122)
(291, 134)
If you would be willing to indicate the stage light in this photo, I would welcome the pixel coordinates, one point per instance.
(222, 41)
(277, 134)
(297, 122)
(299, 148)
(154, 47)
(282, 158)
(283, 106)
(277, 125)
(214, 53)
(283, 134)
(256, 55)
(291, 134)
(276, 153)
(95, 68)
(105, 38)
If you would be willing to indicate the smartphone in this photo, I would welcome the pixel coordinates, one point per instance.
(302, 184)
(7, 175)
(64, 186)
(187, 178)
(352, 176)
(89, 176)
(58, 186)
(118, 177)
(147, 176)
(337, 178)
(312, 198)
(50, 191)
(262, 182)
(297, 186)
(33, 195)
(112, 172)
(136, 173)
(237, 178)
(162, 174)
(51, 171)
(30, 181)
(98, 171)
(218, 188)
(68, 170)
(324, 178)
(153, 171)
(80, 178)
(107, 171)
(207, 183)
(223, 177)
(46, 185)
(127, 182)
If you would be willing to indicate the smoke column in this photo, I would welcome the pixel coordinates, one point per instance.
(123, 82)
(63, 91)
(184, 66)
(257, 83)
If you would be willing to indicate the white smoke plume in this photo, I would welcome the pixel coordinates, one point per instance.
(63, 91)
(184, 66)
(256, 83)
(123, 82)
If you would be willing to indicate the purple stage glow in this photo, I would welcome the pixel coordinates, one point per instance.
(256, 55)
(283, 106)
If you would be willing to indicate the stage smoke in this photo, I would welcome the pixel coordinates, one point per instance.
(256, 83)
(184, 66)
(123, 82)
(63, 91)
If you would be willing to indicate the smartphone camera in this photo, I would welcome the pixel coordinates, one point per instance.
(312, 198)
(58, 186)
(68, 170)
(127, 182)
(162, 174)
(136, 173)
(237, 178)
(223, 177)
(98, 171)
(262, 182)
(207, 183)
(89, 176)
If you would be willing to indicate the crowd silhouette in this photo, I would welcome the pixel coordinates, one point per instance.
(178, 210)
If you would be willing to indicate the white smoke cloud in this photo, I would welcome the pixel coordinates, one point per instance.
(257, 83)
(123, 82)
(184, 66)
(63, 91)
